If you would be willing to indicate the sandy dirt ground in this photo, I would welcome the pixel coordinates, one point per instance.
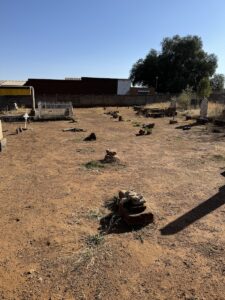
(50, 205)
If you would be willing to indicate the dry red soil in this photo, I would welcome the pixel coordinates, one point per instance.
(51, 204)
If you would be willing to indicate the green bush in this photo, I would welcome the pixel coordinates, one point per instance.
(204, 88)
(94, 164)
(184, 99)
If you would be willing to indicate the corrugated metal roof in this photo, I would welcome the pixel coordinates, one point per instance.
(12, 82)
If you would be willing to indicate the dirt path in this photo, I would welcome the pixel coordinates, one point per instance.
(50, 205)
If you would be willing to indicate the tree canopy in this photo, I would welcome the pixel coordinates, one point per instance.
(181, 62)
(217, 82)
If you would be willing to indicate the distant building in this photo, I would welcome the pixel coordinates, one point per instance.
(12, 82)
(81, 92)
(80, 86)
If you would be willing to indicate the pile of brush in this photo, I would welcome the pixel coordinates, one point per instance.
(146, 129)
(114, 114)
(111, 157)
(128, 207)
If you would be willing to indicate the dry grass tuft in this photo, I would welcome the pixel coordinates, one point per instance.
(94, 240)
(216, 110)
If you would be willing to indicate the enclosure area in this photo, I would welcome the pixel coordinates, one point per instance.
(51, 202)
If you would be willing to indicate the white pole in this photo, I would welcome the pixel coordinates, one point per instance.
(26, 116)
(33, 97)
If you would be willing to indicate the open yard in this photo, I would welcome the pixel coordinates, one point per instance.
(50, 205)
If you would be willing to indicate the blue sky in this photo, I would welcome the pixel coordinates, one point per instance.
(102, 38)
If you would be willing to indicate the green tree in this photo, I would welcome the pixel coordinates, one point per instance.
(217, 82)
(181, 62)
(184, 99)
(204, 88)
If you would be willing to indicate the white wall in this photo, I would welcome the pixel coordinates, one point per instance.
(123, 86)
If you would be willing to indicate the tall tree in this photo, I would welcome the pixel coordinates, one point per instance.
(217, 82)
(181, 62)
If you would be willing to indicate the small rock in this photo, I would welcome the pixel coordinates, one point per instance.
(111, 152)
(173, 122)
(122, 193)
(115, 115)
(30, 272)
(186, 127)
(91, 137)
(141, 132)
(111, 157)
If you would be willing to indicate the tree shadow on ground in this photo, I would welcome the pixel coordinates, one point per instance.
(196, 213)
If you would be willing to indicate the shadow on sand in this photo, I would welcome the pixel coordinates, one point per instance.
(115, 224)
(188, 126)
(11, 134)
(196, 213)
